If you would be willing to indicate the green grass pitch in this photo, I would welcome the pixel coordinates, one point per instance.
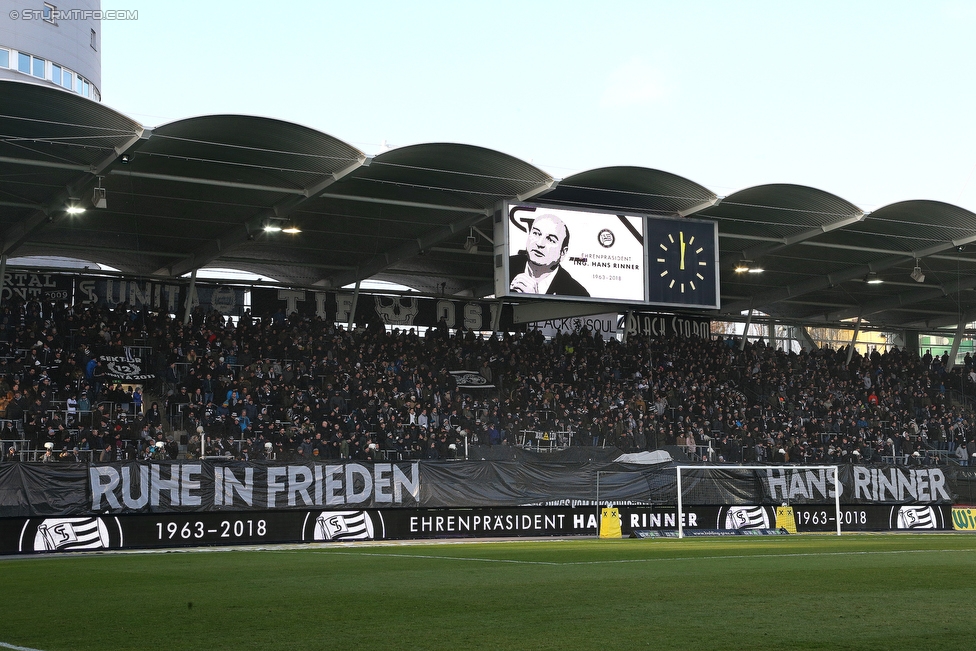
(793, 592)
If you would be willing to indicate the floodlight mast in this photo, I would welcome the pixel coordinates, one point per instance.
(680, 514)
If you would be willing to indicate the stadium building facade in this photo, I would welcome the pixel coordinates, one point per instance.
(51, 44)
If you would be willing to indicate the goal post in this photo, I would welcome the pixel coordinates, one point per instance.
(689, 470)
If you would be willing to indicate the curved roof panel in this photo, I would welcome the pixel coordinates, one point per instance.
(198, 192)
(247, 150)
(779, 211)
(50, 138)
(41, 114)
(445, 174)
(633, 189)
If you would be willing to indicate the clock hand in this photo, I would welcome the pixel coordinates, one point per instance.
(681, 235)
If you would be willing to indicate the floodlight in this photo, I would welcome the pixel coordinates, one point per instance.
(98, 198)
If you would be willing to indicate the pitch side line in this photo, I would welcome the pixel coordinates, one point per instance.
(456, 558)
(642, 560)
(4, 645)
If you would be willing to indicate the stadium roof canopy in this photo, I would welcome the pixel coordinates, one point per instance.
(197, 193)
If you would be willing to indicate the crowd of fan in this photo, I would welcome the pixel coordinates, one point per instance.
(296, 387)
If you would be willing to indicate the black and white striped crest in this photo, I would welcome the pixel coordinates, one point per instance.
(65, 534)
(343, 525)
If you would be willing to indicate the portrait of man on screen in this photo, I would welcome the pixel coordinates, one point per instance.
(538, 268)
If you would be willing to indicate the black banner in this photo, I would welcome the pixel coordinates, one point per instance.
(27, 286)
(206, 485)
(653, 325)
(228, 299)
(167, 297)
(470, 380)
(604, 325)
(124, 368)
(392, 310)
(860, 484)
(166, 530)
(212, 485)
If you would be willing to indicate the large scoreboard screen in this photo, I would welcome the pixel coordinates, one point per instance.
(559, 253)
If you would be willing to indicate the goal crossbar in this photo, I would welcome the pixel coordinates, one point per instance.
(679, 468)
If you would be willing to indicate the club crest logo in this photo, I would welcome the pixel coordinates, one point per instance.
(916, 517)
(744, 517)
(127, 368)
(123, 368)
(333, 526)
(71, 534)
(469, 378)
(224, 300)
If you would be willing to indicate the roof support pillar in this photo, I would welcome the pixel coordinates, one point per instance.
(960, 329)
(801, 333)
(850, 349)
(3, 272)
(191, 295)
(496, 319)
(745, 330)
(352, 310)
(623, 335)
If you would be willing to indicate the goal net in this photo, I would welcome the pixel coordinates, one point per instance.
(737, 485)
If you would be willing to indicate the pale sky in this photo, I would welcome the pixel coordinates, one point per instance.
(873, 101)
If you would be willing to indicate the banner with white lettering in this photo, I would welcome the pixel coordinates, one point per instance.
(229, 301)
(126, 368)
(604, 325)
(647, 324)
(139, 487)
(209, 485)
(518, 483)
(28, 286)
(344, 524)
(860, 485)
(471, 380)
(163, 296)
(391, 310)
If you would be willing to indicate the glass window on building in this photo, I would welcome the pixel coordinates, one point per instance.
(67, 79)
(23, 63)
(93, 43)
(38, 69)
(48, 13)
(4, 58)
(87, 92)
(56, 74)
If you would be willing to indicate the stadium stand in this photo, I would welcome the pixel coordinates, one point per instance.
(297, 387)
